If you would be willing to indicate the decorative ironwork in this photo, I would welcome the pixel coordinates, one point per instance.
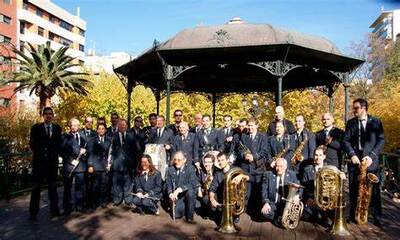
(222, 37)
(340, 75)
(177, 70)
(277, 68)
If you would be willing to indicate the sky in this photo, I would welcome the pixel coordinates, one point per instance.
(132, 25)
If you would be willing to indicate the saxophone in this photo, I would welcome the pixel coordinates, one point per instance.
(234, 200)
(293, 209)
(329, 183)
(298, 156)
(207, 183)
(367, 180)
(280, 154)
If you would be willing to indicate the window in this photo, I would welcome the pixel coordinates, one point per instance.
(40, 31)
(51, 36)
(65, 42)
(81, 48)
(81, 32)
(53, 19)
(39, 12)
(5, 60)
(21, 46)
(5, 19)
(25, 5)
(66, 25)
(22, 27)
(4, 39)
(7, 1)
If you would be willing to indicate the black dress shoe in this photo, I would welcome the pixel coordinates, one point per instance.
(236, 220)
(190, 220)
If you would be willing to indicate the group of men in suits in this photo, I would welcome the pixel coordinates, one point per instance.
(286, 153)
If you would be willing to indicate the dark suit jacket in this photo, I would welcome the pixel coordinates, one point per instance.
(275, 147)
(45, 150)
(259, 150)
(140, 139)
(70, 149)
(98, 152)
(217, 185)
(153, 185)
(123, 157)
(174, 128)
(374, 140)
(193, 129)
(188, 147)
(334, 149)
(110, 133)
(87, 136)
(307, 181)
(166, 136)
(309, 147)
(290, 129)
(214, 142)
(268, 189)
(187, 179)
(229, 146)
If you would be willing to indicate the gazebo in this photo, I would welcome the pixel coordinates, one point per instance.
(239, 57)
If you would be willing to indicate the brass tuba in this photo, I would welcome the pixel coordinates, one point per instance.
(293, 209)
(329, 195)
(234, 200)
(367, 180)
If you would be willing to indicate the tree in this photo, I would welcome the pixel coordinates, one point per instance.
(46, 72)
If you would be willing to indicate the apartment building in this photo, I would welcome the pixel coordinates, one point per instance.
(36, 22)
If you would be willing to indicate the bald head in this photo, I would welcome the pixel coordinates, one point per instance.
(183, 128)
(327, 120)
(74, 125)
(279, 113)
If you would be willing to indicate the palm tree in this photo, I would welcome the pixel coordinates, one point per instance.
(46, 72)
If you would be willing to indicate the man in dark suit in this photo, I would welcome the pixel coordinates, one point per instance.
(185, 142)
(275, 186)
(178, 115)
(113, 129)
(139, 136)
(162, 135)
(280, 144)
(209, 139)
(306, 139)
(99, 162)
(73, 150)
(227, 133)
(280, 117)
(332, 138)
(216, 190)
(311, 211)
(363, 141)
(198, 123)
(152, 125)
(123, 162)
(254, 161)
(87, 132)
(182, 185)
(45, 140)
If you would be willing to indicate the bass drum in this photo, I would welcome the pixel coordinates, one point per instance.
(215, 154)
(158, 156)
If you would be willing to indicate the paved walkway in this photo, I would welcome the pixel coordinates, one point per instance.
(121, 223)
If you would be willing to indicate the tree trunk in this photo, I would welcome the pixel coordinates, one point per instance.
(44, 101)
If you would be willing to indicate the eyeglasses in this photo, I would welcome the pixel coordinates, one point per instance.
(178, 115)
(139, 121)
(356, 108)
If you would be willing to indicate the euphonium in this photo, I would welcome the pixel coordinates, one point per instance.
(234, 200)
(329, 195)
(367, 180)
(293, 209)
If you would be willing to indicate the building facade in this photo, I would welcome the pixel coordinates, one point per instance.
(387, 25)
(39, 21)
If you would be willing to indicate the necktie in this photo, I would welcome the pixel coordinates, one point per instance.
(123, 139)
(101, 139)
(281, 187)
(48, 131)
(145, 176)
(159, 132)
(178, 172)
(226, 131)
(326, 133)
(362, 134)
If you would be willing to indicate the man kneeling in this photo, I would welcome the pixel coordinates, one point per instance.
(182, 185)
(274, 187)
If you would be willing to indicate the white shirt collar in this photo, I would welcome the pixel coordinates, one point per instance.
(329, 128)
